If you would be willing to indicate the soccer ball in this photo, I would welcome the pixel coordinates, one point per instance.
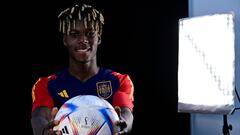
(87, 115)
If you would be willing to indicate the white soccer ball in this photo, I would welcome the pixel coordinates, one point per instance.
(87, 115)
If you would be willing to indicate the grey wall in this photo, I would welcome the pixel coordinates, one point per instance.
(208, 124)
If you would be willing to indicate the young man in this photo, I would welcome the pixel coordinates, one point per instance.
(81, 26)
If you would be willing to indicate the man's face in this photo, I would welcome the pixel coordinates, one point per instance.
(82, 42)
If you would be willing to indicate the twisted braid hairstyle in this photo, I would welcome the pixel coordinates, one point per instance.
(90, 16)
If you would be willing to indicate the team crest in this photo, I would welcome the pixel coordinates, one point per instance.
(104, 89)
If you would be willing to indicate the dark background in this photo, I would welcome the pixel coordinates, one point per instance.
(139, 38)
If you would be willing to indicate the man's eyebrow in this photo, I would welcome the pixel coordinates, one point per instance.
(74, 30)
(90, 29)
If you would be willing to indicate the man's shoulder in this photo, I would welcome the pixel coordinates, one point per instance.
(118, 74)
(111, 71)
(47, 78)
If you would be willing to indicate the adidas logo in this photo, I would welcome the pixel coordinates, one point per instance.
(65, 130)
(63, 94)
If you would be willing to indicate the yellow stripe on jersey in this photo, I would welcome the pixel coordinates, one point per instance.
(33, 89)
(63, 94)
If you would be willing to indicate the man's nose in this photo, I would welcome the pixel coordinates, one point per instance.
(82, 38)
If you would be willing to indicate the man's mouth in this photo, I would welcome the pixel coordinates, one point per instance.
(82, 50)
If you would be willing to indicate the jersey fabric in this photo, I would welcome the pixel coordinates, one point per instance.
(56, 89)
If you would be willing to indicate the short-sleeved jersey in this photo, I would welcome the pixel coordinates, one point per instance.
(56, 89)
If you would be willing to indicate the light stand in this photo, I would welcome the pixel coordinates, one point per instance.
(227, 127)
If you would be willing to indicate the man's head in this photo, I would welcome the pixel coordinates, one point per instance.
(80, 12)
(82, 29)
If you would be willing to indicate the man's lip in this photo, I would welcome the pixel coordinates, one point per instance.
(83, 47)
(83, 50)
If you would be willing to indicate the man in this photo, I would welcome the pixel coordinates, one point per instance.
(81, 26)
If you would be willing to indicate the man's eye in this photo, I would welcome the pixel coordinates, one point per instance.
(74, 34)
(90, 34)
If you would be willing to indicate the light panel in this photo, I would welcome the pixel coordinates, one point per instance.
(206, 68)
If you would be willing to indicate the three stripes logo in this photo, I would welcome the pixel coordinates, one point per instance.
(65, 130)
(63, 94)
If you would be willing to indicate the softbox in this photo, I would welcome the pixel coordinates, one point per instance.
(206, 66)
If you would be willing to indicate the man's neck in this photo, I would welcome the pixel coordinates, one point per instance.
(83, 71)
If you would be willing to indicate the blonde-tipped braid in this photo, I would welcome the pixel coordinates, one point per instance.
(86, 13)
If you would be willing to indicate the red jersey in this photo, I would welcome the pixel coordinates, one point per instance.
(56, 89)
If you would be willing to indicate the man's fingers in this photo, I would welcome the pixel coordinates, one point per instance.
(121, 132)
(51, 132)
(57, 133)
(121, 123)
(118, 110)
(54, 112)
(51, 124)
(49, 128)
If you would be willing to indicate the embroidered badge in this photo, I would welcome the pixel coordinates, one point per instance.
(104, 89)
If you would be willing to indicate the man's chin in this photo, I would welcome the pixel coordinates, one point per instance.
(83, 61)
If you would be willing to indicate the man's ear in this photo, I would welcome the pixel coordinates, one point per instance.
(99, 39)
(64, 40)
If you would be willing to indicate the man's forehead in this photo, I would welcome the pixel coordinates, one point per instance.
(79, 25)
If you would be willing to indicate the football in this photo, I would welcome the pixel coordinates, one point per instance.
(87, 115)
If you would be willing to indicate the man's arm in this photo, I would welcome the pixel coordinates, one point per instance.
(128, 117)
(40, 119)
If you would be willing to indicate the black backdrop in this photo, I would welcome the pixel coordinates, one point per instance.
(139, 38)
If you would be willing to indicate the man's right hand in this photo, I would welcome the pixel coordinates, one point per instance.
(48, 130)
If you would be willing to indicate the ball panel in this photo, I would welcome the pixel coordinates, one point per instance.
(87, 115)
(104, 130)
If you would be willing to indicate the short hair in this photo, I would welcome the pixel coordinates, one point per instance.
(90, 16)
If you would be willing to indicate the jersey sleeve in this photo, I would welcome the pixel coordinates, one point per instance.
(124, 95)
(40, 94)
